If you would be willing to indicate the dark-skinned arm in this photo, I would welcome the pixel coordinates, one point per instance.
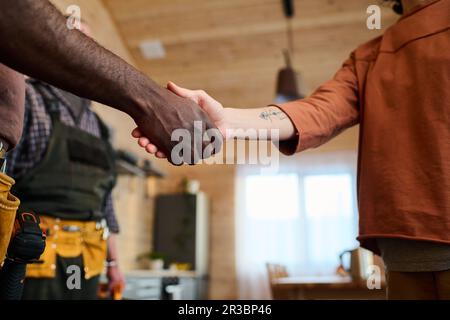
(37, 42)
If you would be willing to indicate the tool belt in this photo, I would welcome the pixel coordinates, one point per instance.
(70, 239)
(8, 208)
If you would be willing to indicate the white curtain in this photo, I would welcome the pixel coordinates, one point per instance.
(302, 217)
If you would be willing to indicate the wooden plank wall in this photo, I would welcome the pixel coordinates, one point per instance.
(232, 49)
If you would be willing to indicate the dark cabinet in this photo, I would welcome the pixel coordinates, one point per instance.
(181, 232)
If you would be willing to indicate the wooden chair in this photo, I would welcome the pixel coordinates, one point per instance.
(276, 271)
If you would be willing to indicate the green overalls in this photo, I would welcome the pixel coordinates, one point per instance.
(68, 190)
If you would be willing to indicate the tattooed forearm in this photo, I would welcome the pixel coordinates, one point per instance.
(270, 120)
(272, 114)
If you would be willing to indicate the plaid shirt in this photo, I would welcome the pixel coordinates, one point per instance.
(37, 131)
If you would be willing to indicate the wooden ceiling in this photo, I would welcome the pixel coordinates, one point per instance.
(232, 48)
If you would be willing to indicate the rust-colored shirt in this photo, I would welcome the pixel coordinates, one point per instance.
(397, 87)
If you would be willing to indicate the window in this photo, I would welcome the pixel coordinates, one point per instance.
(328, 196)
(302, 218)
(329, 218)
(272, 197)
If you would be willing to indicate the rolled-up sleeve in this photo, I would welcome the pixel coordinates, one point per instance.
(332, 108)
(12, 101)
(110, 215)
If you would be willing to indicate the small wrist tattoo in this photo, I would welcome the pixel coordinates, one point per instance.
(271, 114)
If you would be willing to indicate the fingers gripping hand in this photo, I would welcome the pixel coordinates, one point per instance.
(145, 143)
(212, 108)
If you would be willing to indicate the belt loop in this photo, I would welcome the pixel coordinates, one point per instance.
(2, 157)
(56, 225)
(101, 224)
(56, 228)
(105, 234)
(3, 165)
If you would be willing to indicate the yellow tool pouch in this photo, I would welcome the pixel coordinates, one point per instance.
(70, 239)
(8, 209)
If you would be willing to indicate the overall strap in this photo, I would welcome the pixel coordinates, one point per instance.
(104, 130)
(51, 103)
(105, 135)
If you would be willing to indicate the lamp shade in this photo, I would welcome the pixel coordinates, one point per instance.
(287, 80)
(287, 86)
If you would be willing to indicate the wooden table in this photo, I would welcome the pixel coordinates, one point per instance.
(321, 287)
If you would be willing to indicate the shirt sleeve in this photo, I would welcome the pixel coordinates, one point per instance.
(110, 215)
(12, 88)
(332, 108)
(14, 155)
(35, 136)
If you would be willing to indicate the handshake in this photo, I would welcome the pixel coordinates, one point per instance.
(191, 127)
